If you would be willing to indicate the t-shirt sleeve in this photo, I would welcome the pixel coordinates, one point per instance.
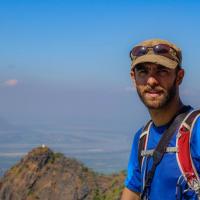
(133, 179)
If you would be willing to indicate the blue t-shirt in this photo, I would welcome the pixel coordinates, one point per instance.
(167, 173)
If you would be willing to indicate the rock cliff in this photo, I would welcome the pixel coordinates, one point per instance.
(43, 174)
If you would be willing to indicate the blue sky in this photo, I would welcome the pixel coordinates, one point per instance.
(68, 61)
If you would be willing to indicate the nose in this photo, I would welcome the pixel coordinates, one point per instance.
(152, 81)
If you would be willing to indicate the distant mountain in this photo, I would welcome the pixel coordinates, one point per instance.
(43, 174)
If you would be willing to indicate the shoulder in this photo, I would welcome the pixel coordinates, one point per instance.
(138, 133)
(143, 130)
(195, 142)
(195, 125)
(135, 142)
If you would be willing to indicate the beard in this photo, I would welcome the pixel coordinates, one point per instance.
(165, 96)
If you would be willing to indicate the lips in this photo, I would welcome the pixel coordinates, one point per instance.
(153, 93)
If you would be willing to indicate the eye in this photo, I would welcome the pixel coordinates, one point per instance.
(162, 71)
(141, 70)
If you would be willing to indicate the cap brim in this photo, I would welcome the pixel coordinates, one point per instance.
(157, 59)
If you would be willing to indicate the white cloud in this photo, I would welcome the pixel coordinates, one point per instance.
(11, 82)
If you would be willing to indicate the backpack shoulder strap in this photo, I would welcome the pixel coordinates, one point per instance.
(183, 154)
(143, 142)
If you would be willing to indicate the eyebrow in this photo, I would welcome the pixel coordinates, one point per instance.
(162, 67)
(138, 67)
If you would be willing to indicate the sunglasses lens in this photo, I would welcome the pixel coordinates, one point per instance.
(161, 49)
(139, 51)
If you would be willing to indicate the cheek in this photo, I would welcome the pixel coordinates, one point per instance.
(168, 81)
(168, 84)
(140, 88)
(140, 81)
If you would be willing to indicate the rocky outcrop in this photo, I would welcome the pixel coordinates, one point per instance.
(43, 174)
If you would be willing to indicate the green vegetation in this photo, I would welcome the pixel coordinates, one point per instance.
(112, 194)
(98, 195)
(30, 192)
(54, 157)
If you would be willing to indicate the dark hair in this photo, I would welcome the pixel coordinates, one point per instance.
(178, 68)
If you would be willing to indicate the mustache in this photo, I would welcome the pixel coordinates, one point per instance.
(153, 89)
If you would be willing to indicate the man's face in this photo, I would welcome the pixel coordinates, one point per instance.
(156, 85)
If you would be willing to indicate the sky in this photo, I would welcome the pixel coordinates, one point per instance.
(67, 62)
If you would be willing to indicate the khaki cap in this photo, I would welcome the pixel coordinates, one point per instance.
(172, 61)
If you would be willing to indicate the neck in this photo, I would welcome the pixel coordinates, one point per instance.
(164, 115)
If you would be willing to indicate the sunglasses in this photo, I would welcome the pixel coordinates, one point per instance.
(159, 49)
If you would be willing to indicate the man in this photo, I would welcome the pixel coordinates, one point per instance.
(157, 74)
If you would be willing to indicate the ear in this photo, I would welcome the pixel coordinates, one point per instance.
(132, 74)
(180, 75)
